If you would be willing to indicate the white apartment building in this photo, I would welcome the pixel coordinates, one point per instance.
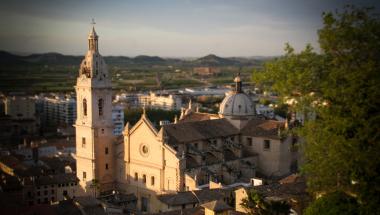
(20, 107)
(160, 101)
(265, 110)
(59, 110)
(118, 119)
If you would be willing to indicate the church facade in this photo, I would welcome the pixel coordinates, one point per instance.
(191, 153)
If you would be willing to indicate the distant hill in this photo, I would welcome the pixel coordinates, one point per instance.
(56, 59)
(8, 59)
(118, 60)
(213, 60)
(53, 59)
(143, 59)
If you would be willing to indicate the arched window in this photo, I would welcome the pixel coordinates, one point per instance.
(100, 106)
(84, 107)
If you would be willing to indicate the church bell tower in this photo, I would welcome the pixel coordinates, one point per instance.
(94, 139)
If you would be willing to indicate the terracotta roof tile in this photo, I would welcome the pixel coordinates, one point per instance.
(262, 128)
(200, 130)
(193, 117)
(217, 206)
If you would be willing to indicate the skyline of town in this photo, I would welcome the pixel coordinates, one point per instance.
(292, 134)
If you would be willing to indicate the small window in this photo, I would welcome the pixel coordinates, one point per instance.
(152, 180)
(52, 191)
(144, 178)
(249, 141)
(196, 145)
(136, 176)
(84, 176)
(106, 165)
(106, 150)
(100, 106)
(266, 144)
(83, 142)
(84, 107)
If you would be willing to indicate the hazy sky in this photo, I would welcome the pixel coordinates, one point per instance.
(163, 27)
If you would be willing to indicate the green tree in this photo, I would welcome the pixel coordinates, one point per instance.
(335, 203)
(256, 204)
(132, 115)
(341, 85)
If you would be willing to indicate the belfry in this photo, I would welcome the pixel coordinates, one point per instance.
(94, 139)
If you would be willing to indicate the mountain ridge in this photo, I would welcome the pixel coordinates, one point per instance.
(54, 58)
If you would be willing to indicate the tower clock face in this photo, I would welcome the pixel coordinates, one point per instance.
(144, 150)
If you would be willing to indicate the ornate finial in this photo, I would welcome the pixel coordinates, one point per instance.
(238, 84)
(93, 22)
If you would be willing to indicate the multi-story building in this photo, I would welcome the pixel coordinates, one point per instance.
(22, 113)
(160, 101)
(206, 71)
(20, 107)
(59, 110)
(118, 119)
(265, 110)
(35, 184)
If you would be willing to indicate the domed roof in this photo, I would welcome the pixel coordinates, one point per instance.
(237, 104)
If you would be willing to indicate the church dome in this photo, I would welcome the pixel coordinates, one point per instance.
(237, 103)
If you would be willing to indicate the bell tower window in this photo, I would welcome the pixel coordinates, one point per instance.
(100, 106)
(84, 107)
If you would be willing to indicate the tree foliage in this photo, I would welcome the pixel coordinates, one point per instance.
(342, 86)
(132, 115)
(256, 204)
(334, 204)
